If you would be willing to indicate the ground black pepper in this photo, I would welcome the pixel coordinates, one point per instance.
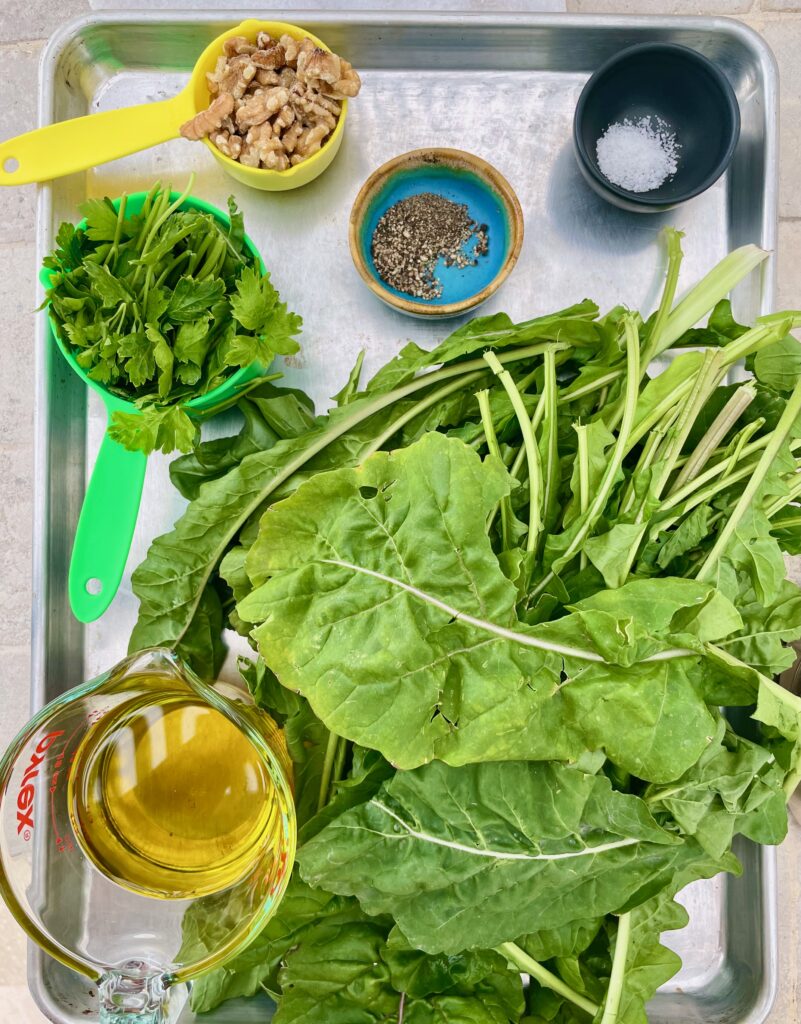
(414, 233)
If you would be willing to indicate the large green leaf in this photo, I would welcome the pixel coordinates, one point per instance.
(364, 579)
(474, 856)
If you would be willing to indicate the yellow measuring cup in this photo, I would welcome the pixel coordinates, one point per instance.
(84, 142)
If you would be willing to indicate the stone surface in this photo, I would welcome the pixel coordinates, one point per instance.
(781, 5)
(20, 69)
(22, 20)
(788, 283)
(16, 513)
(17, 301)
(783, 35)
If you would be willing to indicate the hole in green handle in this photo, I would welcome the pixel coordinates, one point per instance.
(10, 164)
(94, 586)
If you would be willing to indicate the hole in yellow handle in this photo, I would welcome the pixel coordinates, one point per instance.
(10, 164)
(94, 586)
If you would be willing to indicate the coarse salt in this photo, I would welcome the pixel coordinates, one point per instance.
(638, 155)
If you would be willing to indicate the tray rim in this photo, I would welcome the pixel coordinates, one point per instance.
(48, 61)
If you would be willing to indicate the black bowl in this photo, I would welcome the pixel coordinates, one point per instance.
(678, 85)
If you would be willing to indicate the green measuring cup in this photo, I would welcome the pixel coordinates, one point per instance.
(111, 504)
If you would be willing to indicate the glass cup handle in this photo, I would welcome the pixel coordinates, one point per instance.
(131, 997)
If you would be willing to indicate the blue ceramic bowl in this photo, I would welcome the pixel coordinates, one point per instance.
(462, 178)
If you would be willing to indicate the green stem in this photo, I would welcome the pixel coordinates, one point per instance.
(531, 449)
(615, 459)
(675, 256)
(703, 298)
(494, 449)
(706, 381)
(328, 766)
(115, 245)
(781, 502)
(777, 439)
(339, 760)
(536, 419)
(419, 407)
(717, 430)
(550, 440)
(546, 978)
(644, 463)
(587, 389)
(618, 976)
(743, 438)
(583, 462)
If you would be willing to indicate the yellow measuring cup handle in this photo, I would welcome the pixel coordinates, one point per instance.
(83, 142)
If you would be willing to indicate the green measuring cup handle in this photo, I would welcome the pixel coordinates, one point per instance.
(105, 526)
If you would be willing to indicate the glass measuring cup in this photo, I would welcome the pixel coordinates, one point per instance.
(134, 807)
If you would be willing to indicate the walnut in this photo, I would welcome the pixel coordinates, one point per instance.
(319, 64)
(348, 85)
(230, 145)
(239, 72)
(329, 104)
(213, 77)
(289, 139)
(208, 120)
(263, 40)
(269, 58)
(310, 141)
(259, 133)
(249, 156)
(236, 45)
(293, 48)
(264, 77)
(262, 141)
(261, 106)
(308, 109)
(285, 117)
(288, 77)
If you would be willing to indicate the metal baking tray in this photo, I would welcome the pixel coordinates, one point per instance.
(504, 87)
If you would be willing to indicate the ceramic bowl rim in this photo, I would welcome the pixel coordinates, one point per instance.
(432, 156)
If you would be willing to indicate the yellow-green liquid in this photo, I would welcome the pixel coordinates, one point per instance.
(170, 799)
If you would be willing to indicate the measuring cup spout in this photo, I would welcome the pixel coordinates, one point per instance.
(83, 142)
(135, 994)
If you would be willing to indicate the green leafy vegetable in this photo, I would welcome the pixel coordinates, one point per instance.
(518, 604)
(162, 306)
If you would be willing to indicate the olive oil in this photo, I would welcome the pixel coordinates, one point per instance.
(170, 799)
